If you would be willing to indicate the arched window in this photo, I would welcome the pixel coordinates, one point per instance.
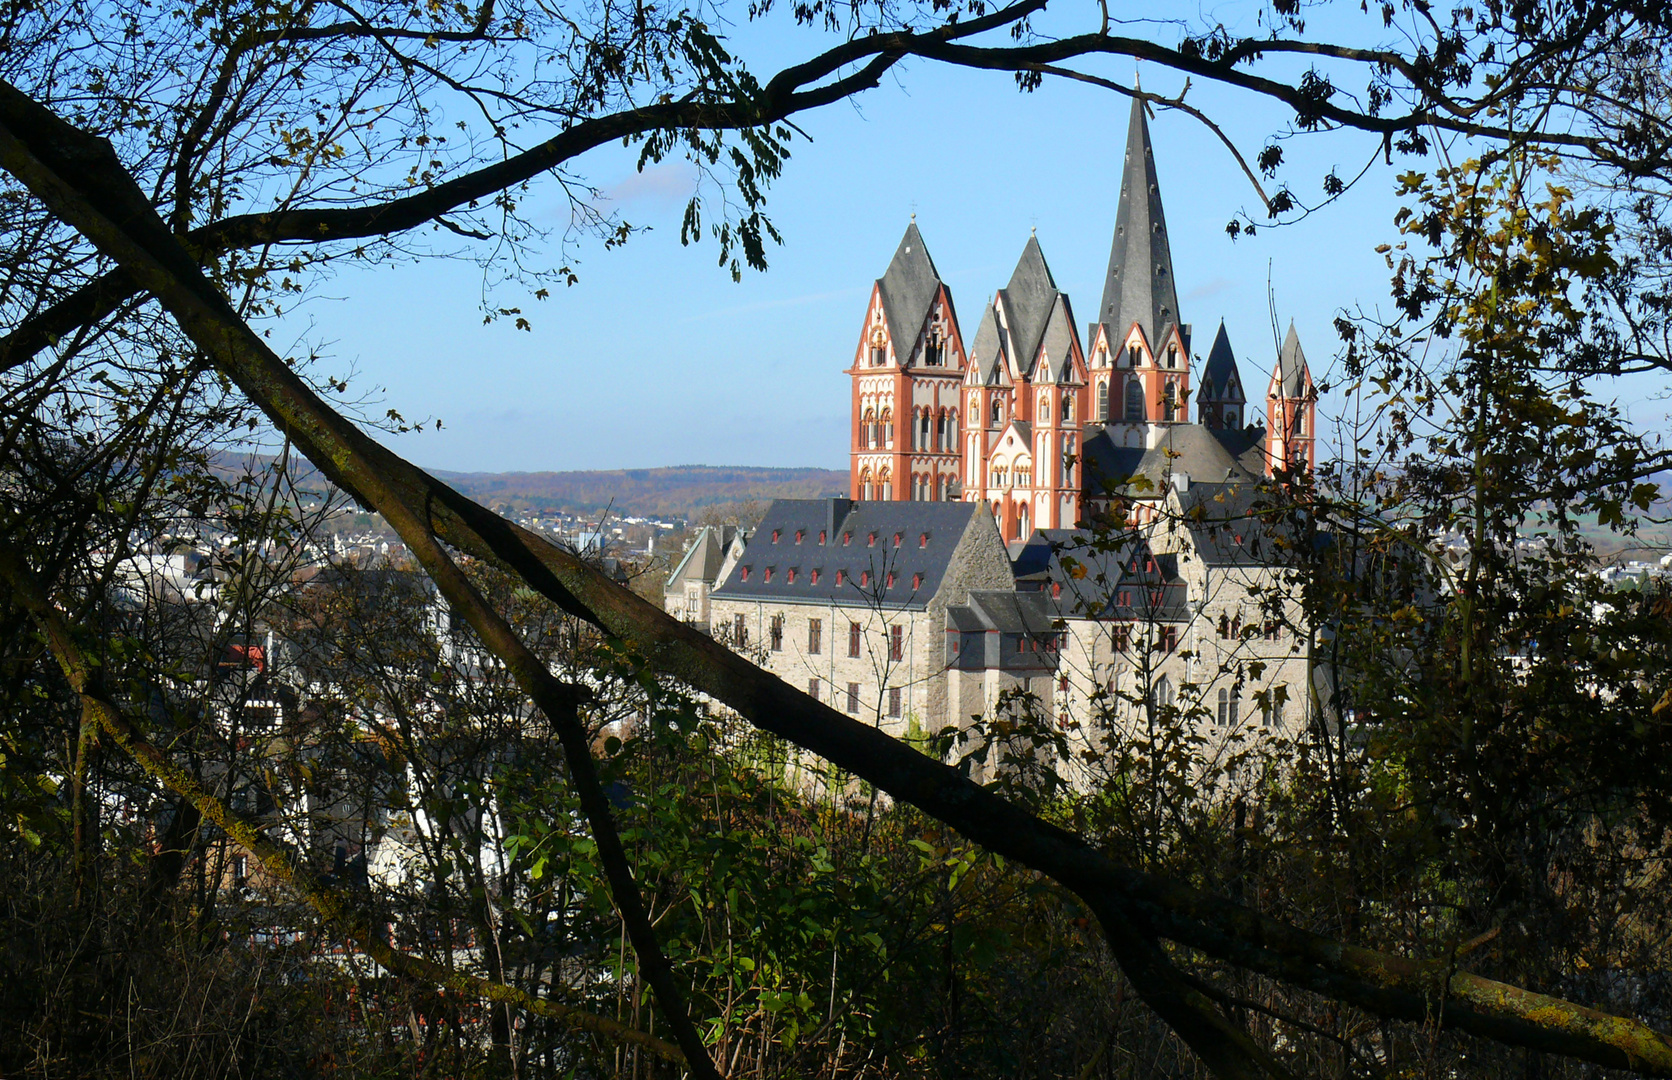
(868, 430)
(865, 485)
(951, 430)
(1022, 521)
(1134, 356)
(1232, 420)
(1068, 406)
(923, 430)
(1172, 356)
(1170, 401)
(998, 413)
(1134, 398)
(887, 424)
(941, 442)
(885, 487)
(1044, 407)
(1102, 400)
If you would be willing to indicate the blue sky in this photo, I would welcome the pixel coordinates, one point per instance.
(657, 358)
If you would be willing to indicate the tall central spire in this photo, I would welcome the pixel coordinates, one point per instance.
(1139, 288)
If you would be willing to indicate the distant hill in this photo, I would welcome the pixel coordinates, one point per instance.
(681, 490)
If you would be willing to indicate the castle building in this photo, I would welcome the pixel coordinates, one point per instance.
(1037, 426)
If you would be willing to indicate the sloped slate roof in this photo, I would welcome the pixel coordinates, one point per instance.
(848, 547)
(908, 290)
(703, 558)
(1191, 449)
(1060, 341)
(1139, 286)
(1028, 301)
(1107, 578)
(1221, 371)
(1247, 445)
(987, 351)
(1291, 365)
(1223, 526)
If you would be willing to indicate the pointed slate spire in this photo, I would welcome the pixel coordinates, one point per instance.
(1220, 379)
(987, 351)
(1139, 288)
(908, 289)
(1028, 300)
(1291, 375)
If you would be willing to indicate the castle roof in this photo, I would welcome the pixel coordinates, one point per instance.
(1028, 302)
(1059, 342)
(1202, 455)
(1139, 287)
(908, 290)
(858, 556)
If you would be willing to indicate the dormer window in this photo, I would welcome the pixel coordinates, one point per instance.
(865, 578)
(744, 574)
(890, 580)
(798, 535)
(917, 581)
(934, 351)
(792, 576)
(1172, 356)
(814, 576)
(1134, 355)
(897, 537)
(821, 537)
(923, 541)
(774, 536)
(841, 576)
(769, 575)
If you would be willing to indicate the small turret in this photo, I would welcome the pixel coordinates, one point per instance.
(1291, 410)
(1220, 401)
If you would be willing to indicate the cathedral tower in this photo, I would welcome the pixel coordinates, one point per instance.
(1220, 401)
(907, 371)
(1291, 410)
(1140, 351)
(1025, 396)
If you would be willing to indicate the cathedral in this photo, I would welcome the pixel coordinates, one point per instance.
(1041, 424)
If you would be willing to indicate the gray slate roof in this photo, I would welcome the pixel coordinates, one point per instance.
(703, 558)
(987, 352)
(1028, 301)
(1205, 455)
(1291, 365)
(849, 527)
(1220, 379)
(1225, 527)
(1060, 342)
(1139, 287)
(908, 290)
(1083, 576)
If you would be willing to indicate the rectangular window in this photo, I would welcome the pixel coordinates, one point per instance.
(853, 639)
(853, 697)
(775, 632)
(1123, 639)
(815, 636)
(896, 643)
(1169, 639)
(740, 630)
(894, 701)
(813, 689)
(1274, 630)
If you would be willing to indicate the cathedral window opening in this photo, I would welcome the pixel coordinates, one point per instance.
(1134, 399)
(998, 413)
(888, 428)
(885, 486)
(923, 430)
(853, 639)
(1134, 355)
(1044, 409)
(1022, 522)
(999, 476)
(815, 636)
(1172, 356)
(934, 352)
(1170, 401)
(1024, 476)
(951, 430)
(1067, 407)
(775, 633)
(940, 433)
(1102, 400)
(879, 354)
